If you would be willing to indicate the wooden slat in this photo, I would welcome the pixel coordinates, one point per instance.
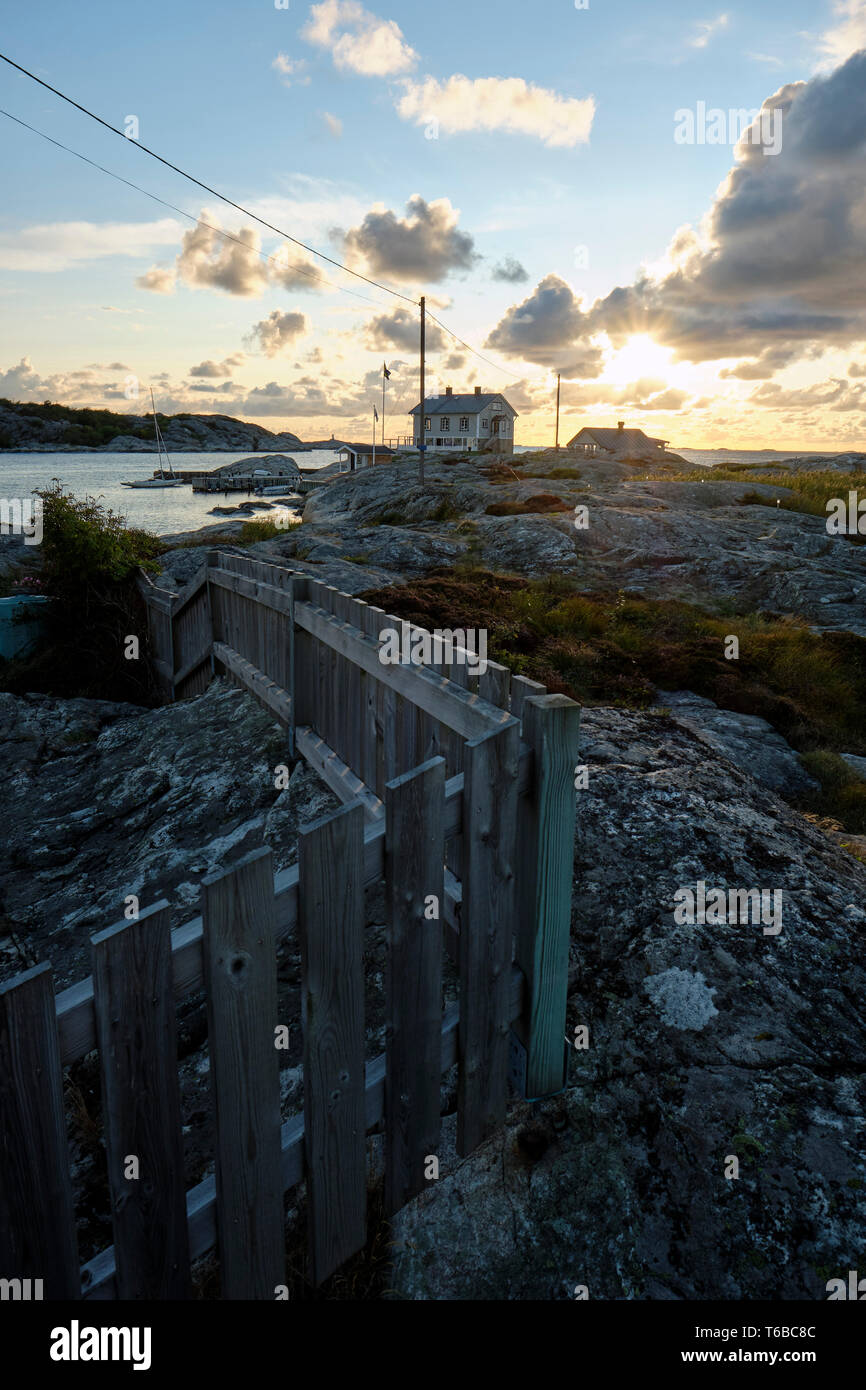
(488, 922)
(257, 590)
(523, 689)
(494, 685)
(135, 1022)
(330, 930)
(340, 778)
(241, 979)
(551, 728)
(187, 594)
(98, 1273)
(458, 708)
(76, 1022)
(37, 1221)
(270, 696)
(414, 856)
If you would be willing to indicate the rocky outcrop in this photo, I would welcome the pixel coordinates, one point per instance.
(707, 1043)
(701, 542)
(21, 430)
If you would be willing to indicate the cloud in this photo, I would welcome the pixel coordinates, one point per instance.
(159, 280)
(208, 259)
(218, 369)
(291, 70)
(56, 246)
(402, 329)
(847, 35)
(707, 28)
(423, 246)
(277, 331)
(857, 369)
(333, 123)
(357, 40)
(780, 261)
(293, 269)
(510, 271)
(546, 329)
(498, 103)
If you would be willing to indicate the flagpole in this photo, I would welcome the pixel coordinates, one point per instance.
(383, 406)
(374, 437)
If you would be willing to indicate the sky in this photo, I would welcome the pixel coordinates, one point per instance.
(664, 203)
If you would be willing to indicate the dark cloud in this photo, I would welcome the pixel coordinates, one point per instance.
(425, 246)
(510, 271)
(402, 329)
(782, 264)
(217, 369)
(277, 331)
(546, 328)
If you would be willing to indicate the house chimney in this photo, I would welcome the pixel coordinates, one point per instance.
(478, 390)
(448, 391)
(620, 424)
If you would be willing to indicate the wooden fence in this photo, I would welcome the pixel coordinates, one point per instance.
(458, 793)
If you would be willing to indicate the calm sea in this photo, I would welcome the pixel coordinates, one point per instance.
(167, 510)
(161, 510)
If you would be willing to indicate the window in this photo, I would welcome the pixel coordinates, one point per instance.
(426, 422)
(445, 422)
(464, 422)
(484, 424)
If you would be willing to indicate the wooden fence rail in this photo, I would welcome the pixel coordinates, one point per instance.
(458, 793)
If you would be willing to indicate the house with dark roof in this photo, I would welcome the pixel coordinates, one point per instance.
(621, 444)
(361, 456)
(466, 423)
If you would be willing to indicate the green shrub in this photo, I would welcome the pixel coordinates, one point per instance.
(90, 563)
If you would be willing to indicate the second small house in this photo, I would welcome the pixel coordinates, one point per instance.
(466, 424)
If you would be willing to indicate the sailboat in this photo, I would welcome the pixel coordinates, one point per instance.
(160, 477)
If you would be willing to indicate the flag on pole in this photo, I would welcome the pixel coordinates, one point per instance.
(385, 373)
(375, 413)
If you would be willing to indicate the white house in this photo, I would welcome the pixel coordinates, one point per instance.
(466, 423)
(622, 444)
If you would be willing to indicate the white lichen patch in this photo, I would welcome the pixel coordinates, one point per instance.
(682, 997)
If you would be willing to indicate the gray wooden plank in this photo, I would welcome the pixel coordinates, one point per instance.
(331, 927)
(135, 1019)
(551, 728)
(488, 919)
(414, 869)
(37, 1219)
(98, 1273)
(76, 1021)
(241, 981)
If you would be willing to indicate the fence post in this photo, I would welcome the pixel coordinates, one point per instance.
(330, 929)
(37, 1222)
(487, 925)
(414, 872)
(135, 1021)
(551, 729)
(240, 972)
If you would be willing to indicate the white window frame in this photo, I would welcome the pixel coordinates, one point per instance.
(428, 424)
(464, 423)
(445, 422)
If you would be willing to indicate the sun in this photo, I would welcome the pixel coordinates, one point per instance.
(639, 357)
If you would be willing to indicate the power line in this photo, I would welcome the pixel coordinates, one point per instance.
(518, 376)
(197, 221)
(207, 188)
(231, 203)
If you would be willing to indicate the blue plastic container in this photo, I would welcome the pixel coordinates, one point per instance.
(21, 621)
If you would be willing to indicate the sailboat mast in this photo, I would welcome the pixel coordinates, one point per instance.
(160, 443)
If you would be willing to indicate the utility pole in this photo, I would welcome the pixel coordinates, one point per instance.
(557, 411)
(421, 435)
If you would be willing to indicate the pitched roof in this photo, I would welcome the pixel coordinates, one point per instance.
(364, 448)
(618, 440)
(469, 404)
